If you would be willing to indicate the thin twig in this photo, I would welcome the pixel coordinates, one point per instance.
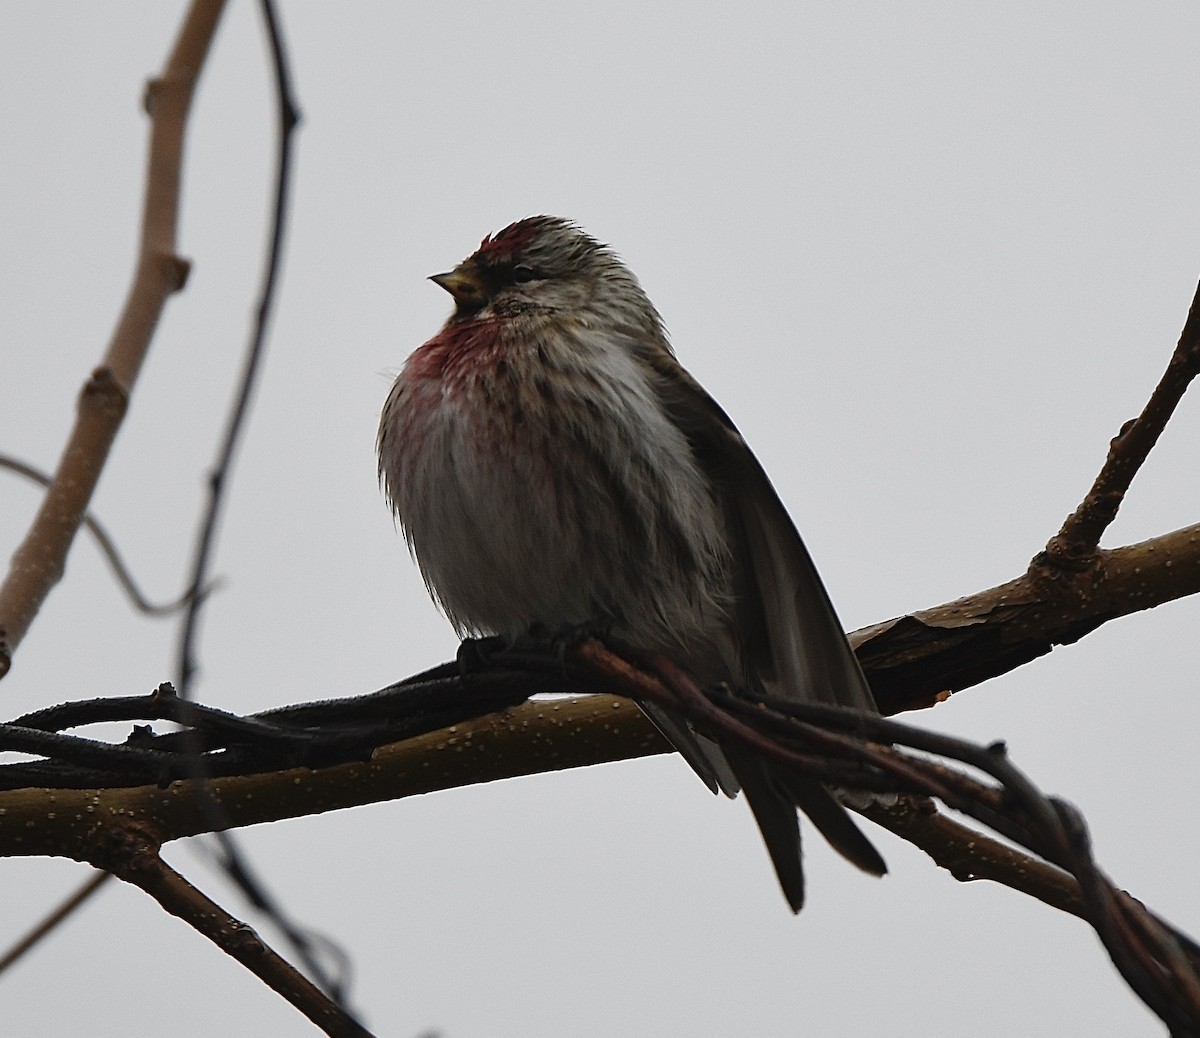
(47, 925)
(130, 851)
(289, 118)
(109, 549)
(237, 868)
(1073, 548)
(316, 734)
(38, 563)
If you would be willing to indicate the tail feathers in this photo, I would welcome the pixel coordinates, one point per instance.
(704, 755)
(833, 821)
(777, 821)
(773, 794)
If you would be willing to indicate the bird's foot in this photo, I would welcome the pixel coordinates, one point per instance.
(480, 654)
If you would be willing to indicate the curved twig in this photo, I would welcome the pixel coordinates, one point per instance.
(109, 549)
(968, 855)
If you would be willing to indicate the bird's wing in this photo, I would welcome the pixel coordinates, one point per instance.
(792, 640)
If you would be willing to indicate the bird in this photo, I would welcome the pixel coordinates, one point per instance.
(552, 465)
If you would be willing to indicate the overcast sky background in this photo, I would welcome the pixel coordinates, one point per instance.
(928, 256)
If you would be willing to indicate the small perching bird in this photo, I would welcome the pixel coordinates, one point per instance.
(552, 464)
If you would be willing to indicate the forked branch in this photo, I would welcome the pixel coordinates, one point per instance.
(1073, 548)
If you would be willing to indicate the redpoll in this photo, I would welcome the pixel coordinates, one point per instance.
(553, 464)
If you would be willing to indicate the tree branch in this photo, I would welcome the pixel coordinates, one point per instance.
(908, 662)
(969, 855)
(1068, 590)
(1073, 548)
(66, 908)
(37, 565)
(914, 661)
(851, 749)
(530, 739)
(129, 850)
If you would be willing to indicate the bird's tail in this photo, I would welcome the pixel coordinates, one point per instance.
(773, 793)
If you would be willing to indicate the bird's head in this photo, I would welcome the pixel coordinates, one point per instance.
(544, 265)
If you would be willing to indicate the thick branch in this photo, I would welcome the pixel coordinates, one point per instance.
(908, 661)
(37, 564)
(533, 738)
(915, 660)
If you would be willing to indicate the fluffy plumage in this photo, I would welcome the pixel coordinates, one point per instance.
(552, 463)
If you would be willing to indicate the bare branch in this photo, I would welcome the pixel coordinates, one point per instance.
(1073, 548)
(1068, 590)
(914, 661)
(37, 565)
(289, 118)
(852, 749)
(129, 850)
(65, 909)
(969, 855)
(530, 739)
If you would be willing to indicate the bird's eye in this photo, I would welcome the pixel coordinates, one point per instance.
(523, 274)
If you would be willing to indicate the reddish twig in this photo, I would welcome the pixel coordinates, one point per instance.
(969, 855)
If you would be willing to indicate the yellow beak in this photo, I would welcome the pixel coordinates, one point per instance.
(468, 291)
